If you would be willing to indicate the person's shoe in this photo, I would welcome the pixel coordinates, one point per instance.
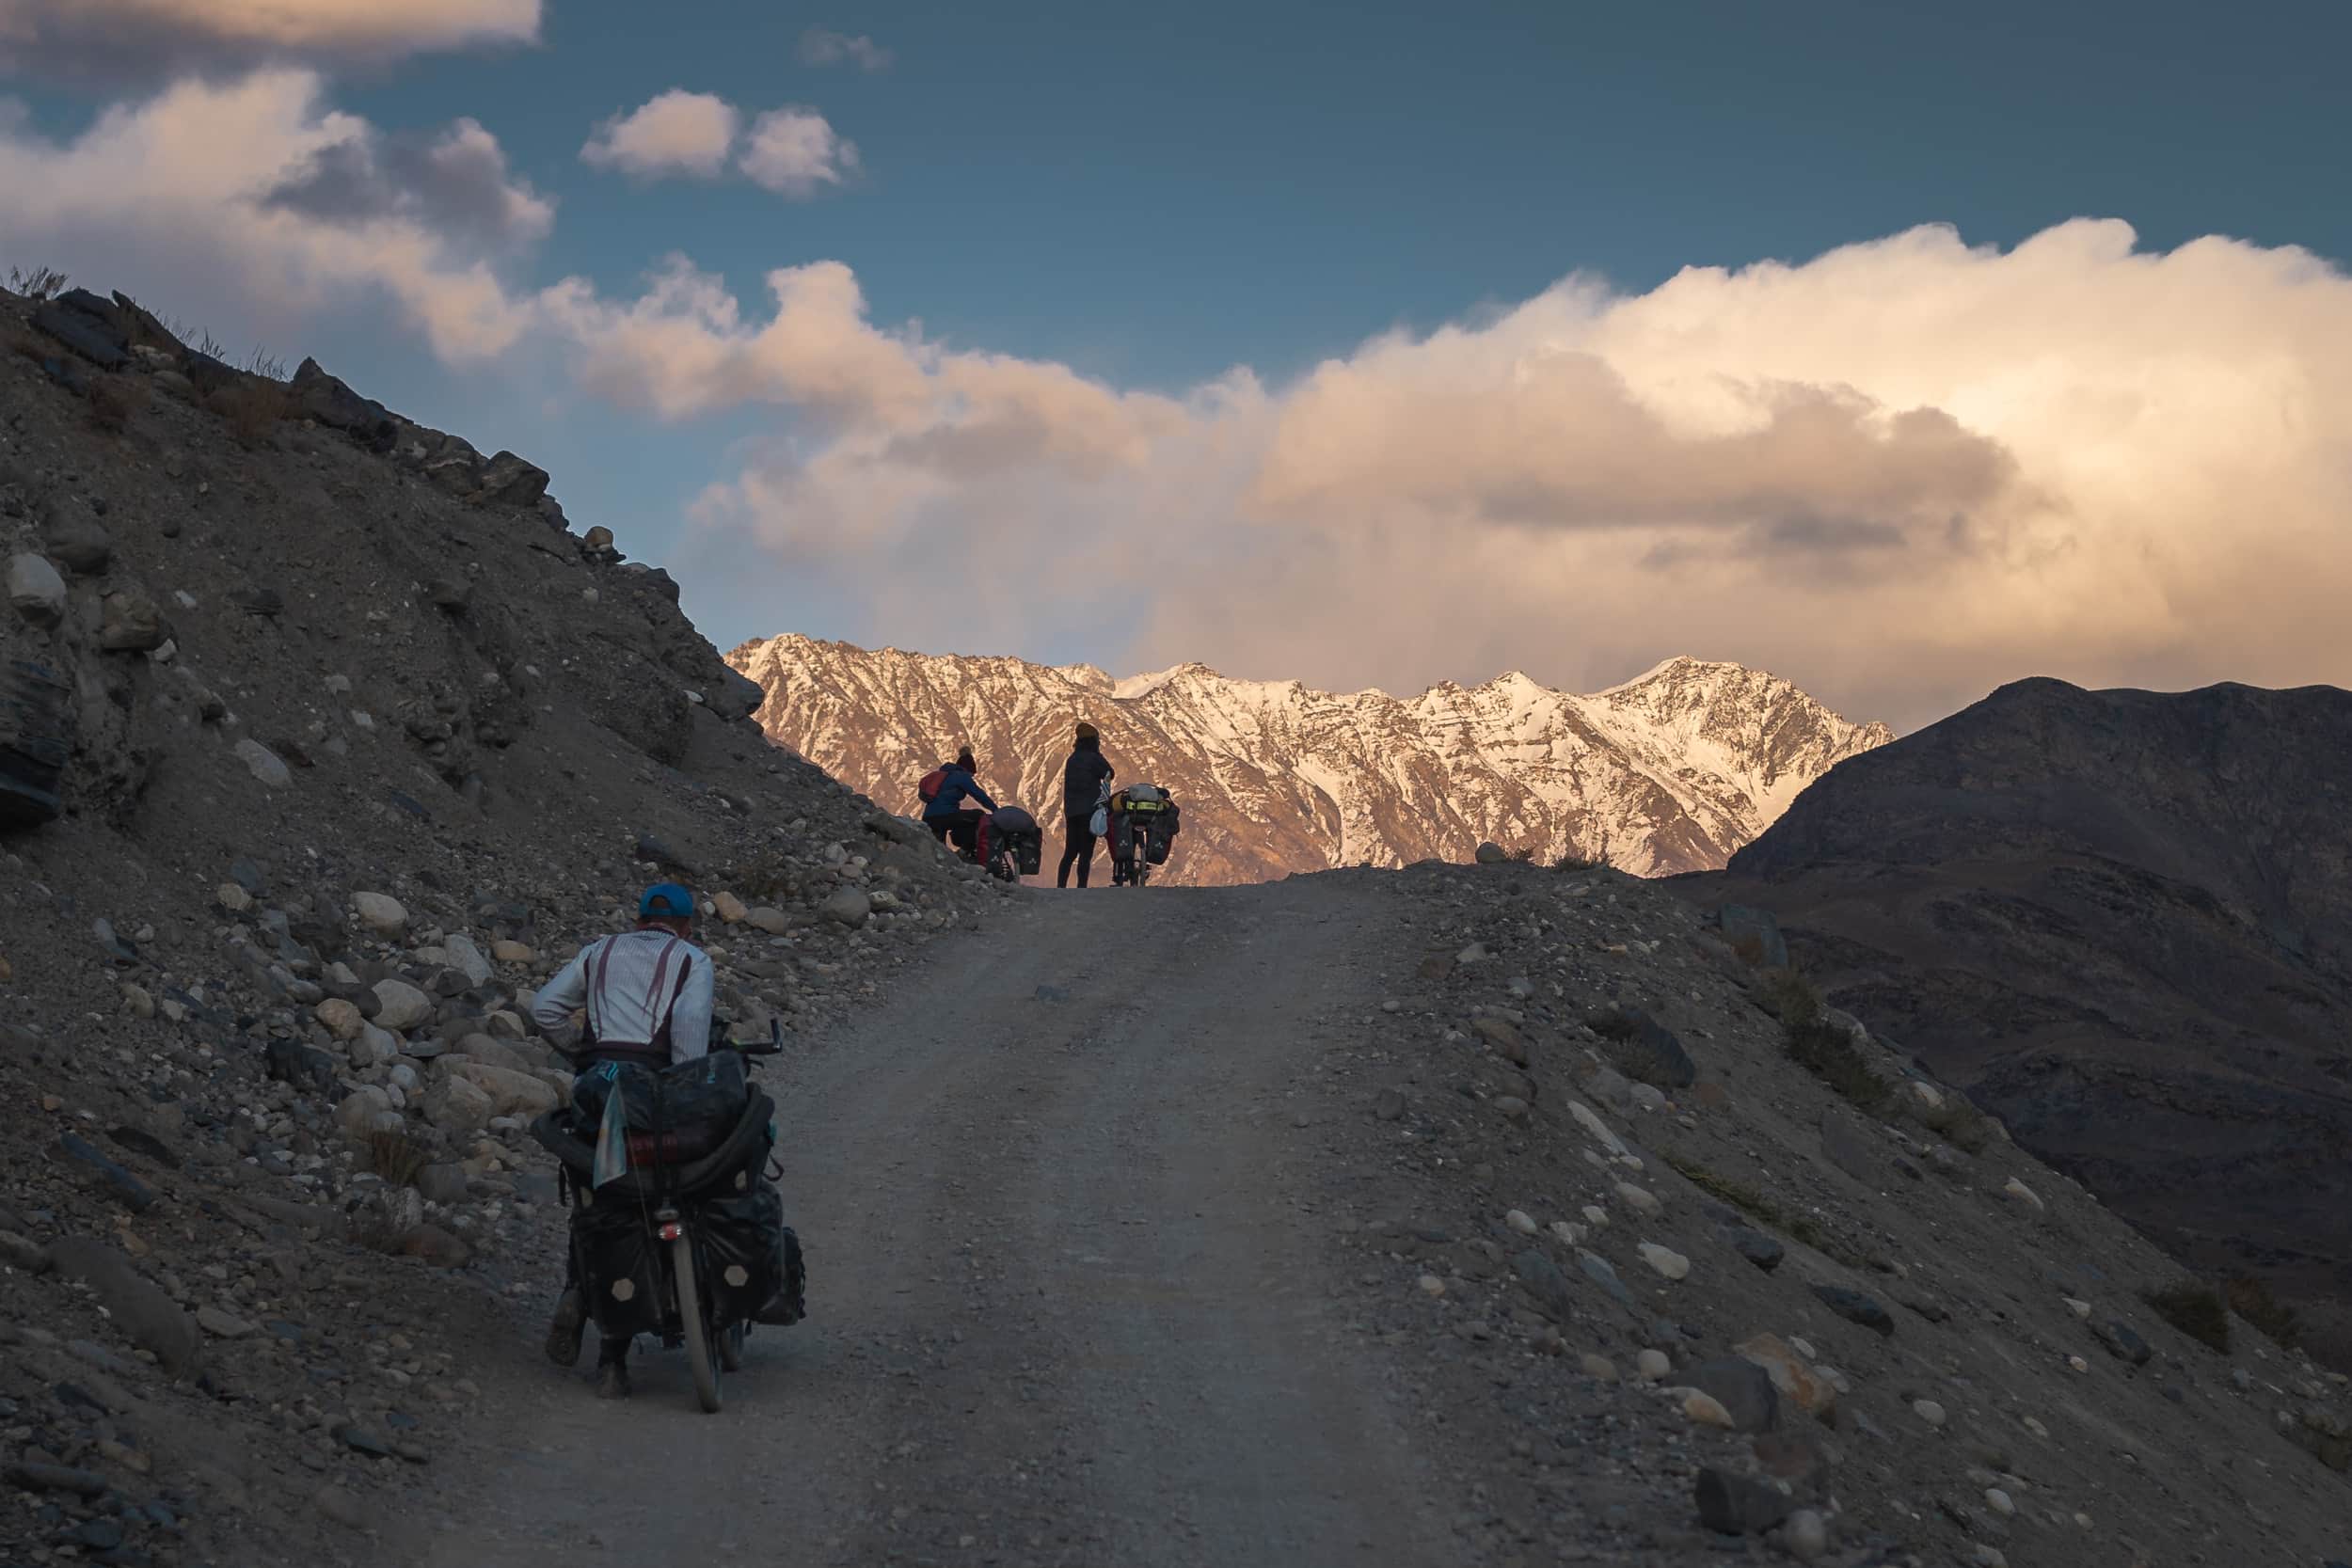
(565, 1330)
(612, 1381)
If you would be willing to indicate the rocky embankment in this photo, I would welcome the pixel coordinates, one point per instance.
(327, 740)
(2122, 921)
(1664, 1254)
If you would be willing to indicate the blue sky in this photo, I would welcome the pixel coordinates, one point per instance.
(1154, 194)
(1151, 198)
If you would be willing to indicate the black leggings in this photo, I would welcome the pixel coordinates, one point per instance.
(1079, 853)
(962, 830)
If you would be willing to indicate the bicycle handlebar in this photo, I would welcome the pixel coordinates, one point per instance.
(772, 1046)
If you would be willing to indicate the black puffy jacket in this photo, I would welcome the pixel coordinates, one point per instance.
(1082, 780)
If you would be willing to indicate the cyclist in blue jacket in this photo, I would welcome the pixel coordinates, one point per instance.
(945, 813)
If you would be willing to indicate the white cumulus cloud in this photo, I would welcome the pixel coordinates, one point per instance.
(1899, 472)
(675, 133)
(150, 35)
(795, 153)
(253, 202)
(823, 46)
(1902, 472)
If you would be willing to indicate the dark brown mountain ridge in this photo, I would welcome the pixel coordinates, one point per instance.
(2122, 920)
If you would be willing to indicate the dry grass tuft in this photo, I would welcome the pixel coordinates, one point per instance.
(252, 408)
(397, 1157)
(1799, 1228)
(2251, 1299)
(2196, 1310)
(112, 402)
(1963, 1126)
(42, 283)
(1789, 997)
(1829, 1054)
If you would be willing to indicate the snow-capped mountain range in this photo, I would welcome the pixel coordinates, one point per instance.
(1668, 772)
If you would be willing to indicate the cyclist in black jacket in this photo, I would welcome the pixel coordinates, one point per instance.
(1082, 780)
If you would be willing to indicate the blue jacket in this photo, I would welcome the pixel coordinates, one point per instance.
(952, 791)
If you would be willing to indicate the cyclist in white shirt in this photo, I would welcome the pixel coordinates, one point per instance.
(647, 993)
(642, 996)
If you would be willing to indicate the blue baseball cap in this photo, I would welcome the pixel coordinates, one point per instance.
(666, 901)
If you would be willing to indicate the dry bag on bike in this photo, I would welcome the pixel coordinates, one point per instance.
(674, 1114)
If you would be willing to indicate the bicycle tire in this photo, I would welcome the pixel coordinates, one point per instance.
(701, 1355)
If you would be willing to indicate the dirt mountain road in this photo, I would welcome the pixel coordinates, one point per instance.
(1066, 1302)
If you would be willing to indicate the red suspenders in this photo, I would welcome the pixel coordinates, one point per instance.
(598, 966)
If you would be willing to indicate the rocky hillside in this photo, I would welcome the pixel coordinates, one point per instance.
(2122, 921)
(323, 739)
(1669, 772)
(1668, 1252)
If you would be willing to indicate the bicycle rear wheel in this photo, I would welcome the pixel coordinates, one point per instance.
(701, 1355)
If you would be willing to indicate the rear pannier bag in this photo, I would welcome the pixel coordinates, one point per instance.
(743, 1233)
(1159, 835)
(1019, 831)
(616, 1247)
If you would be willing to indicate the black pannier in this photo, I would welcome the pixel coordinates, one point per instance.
(744, 1246)
(1159, 835)
(615, 1246)
(1019, 831)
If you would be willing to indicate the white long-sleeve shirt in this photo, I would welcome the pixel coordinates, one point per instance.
(630, 983)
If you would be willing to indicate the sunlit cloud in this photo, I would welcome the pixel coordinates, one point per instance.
(1898, 472)
(145, 37)
(823, 46)
(795, 153)
(253, 200)
(675, 133)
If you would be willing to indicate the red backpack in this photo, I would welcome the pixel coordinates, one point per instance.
(931, 780)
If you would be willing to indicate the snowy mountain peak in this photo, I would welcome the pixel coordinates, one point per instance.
(1136, 687)
(1671, 771)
